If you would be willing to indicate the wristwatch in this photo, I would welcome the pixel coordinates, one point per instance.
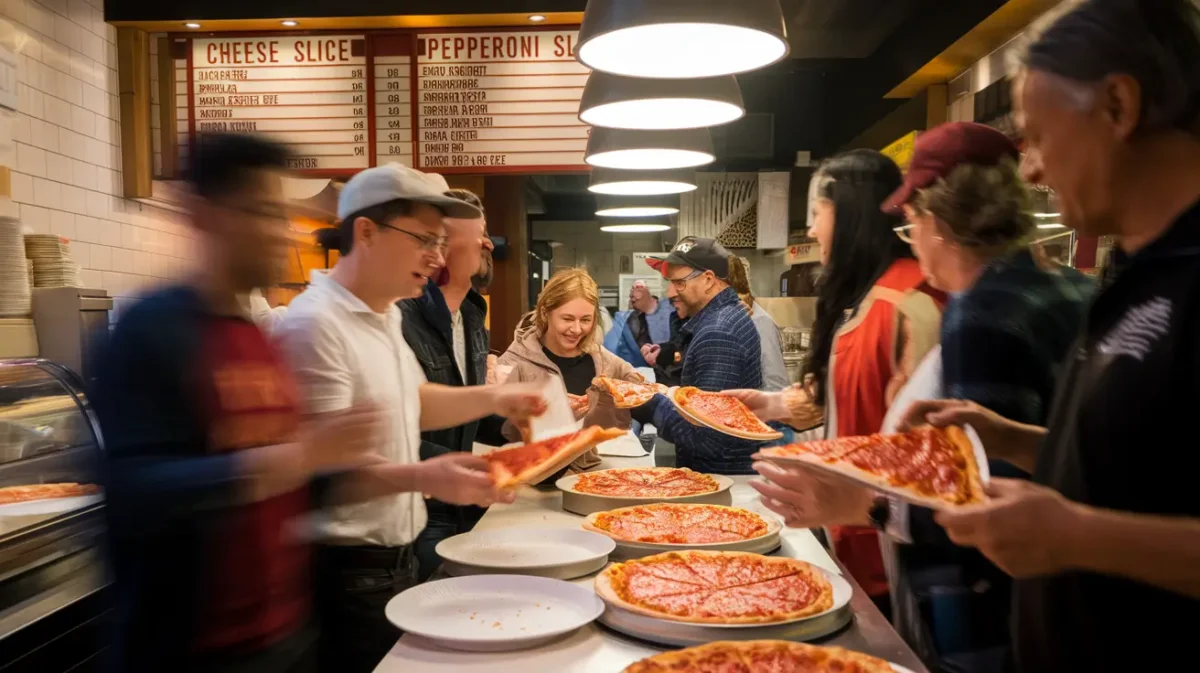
(880, 513)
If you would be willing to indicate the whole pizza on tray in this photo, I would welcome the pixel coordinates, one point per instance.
(646, 482)
(535, 461)
(628, 394)
(932, 466)
(723, 413)
(760, 656)
(708, 587)
(677, 523)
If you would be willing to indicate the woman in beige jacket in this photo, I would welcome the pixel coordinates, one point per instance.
(560, 339)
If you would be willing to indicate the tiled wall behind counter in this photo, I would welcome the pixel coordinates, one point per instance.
(66, 164)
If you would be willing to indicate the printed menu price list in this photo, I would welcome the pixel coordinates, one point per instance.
(393, 100)
(306, 92)
(490, 100)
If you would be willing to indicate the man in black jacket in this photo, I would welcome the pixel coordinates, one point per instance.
(445, 328)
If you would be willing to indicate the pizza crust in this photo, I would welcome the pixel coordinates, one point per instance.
(958, 439)
(680, 398)
(823, 602)
(583, 441)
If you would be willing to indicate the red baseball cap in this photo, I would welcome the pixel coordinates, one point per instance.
(942, 148)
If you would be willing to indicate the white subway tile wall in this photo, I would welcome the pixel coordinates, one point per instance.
(66, 175)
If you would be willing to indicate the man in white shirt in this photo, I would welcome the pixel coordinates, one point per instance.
(343, 339)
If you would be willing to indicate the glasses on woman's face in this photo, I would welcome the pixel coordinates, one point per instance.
(905, 233)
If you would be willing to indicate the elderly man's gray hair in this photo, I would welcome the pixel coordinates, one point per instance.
(1157, 42)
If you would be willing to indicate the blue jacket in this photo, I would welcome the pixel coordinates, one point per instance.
(620, 338)
(720, 350)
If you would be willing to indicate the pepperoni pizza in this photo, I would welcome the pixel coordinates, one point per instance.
(760, 656)
(677, 523)
(709, 587)
(931, 466)
(646, 482)
(627, 394)
(535, 461)
(723, 413)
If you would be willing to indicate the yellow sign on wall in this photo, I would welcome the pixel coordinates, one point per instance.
(901, 150)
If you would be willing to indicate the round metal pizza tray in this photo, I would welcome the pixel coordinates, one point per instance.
(557, 553)
(683, 634)
(588, 503)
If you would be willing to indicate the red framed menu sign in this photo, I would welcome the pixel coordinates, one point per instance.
(488, 101)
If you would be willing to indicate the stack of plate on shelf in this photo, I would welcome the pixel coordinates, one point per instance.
(14, 270)
(52, 263)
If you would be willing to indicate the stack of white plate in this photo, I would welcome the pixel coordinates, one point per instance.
(14, 270)
(52, 263)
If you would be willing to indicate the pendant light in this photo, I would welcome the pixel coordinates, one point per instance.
(681, 38)
(649, 150)
(636, 206)
(641, 183)
(634, 228)
(613, 101)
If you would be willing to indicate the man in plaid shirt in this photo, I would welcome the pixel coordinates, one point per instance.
(719, 349)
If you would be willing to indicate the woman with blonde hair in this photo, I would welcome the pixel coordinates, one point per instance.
(561, 339)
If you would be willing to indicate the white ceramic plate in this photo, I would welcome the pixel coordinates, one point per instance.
(494, 613)
(626, 446)
(50, 505)
(561, 553)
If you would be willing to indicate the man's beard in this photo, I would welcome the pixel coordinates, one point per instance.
(483, 279)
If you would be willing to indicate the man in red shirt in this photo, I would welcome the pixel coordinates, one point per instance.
(210, 469)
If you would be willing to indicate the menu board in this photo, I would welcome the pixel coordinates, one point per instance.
(306, 92)
(459, 102)
(499, 99)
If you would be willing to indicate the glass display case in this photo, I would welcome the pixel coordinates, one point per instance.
(52, 575)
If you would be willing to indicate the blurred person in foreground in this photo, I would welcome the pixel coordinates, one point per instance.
(209, 465)
(343, 337)
(1107, 93)
(560, 339)
(1004, 332)
(774, 372)
(718, 347)
(647, 322)
(446, 329)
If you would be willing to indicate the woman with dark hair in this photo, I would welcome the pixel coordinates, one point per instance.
(876, 319)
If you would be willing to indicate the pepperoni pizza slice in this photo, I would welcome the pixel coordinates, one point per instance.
(627, 394)
(760, 656)
(723, 413)
(706, 587)
(535, 461)
(936, 467)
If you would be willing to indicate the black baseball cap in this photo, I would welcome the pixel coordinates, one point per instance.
(704, 254)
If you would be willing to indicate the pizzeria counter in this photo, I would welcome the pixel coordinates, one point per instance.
(52, 577)
(595, 648)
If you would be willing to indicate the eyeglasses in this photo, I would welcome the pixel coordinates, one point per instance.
(679, 283)
(427, 243)
(905, 233)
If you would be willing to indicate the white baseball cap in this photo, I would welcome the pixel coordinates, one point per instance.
(391, 182)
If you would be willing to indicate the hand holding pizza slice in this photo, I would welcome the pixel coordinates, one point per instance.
(934, 467)
(627, 394)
